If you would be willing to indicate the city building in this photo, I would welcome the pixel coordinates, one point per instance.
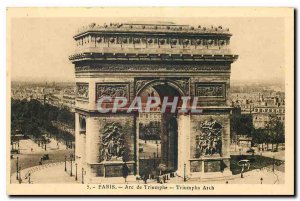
(268, 108)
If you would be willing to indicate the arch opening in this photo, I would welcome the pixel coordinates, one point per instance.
(158, 132)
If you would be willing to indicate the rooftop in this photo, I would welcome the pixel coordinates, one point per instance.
(157, 27)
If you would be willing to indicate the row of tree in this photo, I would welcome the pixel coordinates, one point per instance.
(273, 133)
(34, 119)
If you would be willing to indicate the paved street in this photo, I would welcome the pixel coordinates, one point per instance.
(28, 158)
(149, 148)
(48, 173)
(54, 173)
(238, 150)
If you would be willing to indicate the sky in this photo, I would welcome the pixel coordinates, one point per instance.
(40, 47)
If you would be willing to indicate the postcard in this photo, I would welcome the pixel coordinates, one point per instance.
(150, 101)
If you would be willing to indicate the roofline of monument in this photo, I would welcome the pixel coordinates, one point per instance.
(153, 33)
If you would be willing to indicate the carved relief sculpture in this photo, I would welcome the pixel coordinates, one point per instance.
(112, 145)
(209, 140)
(184, 84)
(210, 90)
(82, 91)
(112, 90)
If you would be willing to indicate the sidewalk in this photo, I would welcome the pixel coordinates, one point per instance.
(48, 173)
(55, 173)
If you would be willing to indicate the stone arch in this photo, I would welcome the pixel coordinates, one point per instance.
(157, 82)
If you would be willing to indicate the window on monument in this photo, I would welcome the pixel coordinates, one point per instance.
(82, 124)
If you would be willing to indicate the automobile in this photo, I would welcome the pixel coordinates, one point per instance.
(274, 150)
(250, 150)
(45, 157)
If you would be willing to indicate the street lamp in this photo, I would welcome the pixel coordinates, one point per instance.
(242, 170)
(20, 173)
(273, 167)
(71, 165)
(65, 163)
(154, 160)
(235, 142)
(76, 171)
(184, 169)
(82, 172)
(17, 164)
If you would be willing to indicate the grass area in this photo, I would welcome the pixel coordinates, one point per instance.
(256, 162)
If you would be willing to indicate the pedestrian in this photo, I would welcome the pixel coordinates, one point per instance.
(145, 178)
(164, 179)
(125, 171)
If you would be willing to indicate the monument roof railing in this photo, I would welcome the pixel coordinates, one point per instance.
(153, 29)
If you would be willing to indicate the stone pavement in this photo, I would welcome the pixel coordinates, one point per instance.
(251, 177)
(54, 173)
(280, 155)
(48, 173)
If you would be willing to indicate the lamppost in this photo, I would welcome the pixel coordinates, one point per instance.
(82, 176)
(76, 172)
(235, 142)
(20, 173)
(71, 165)
(242, 176)
(184, 169)
(157, 150)
(154, 160)
(273, 167)
(17, 164)
(65, 163)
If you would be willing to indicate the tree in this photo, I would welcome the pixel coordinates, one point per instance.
(275, 130)
(242, 124)
(32, 117)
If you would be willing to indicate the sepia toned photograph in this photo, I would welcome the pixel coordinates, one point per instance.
(150, 101)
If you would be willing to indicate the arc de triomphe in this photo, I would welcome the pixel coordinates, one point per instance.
(172, 60)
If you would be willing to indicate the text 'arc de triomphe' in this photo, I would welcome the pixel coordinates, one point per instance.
(128, 59)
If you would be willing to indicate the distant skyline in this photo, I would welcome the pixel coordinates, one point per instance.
(40, 47)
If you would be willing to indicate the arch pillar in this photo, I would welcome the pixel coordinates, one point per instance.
(183, 145)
